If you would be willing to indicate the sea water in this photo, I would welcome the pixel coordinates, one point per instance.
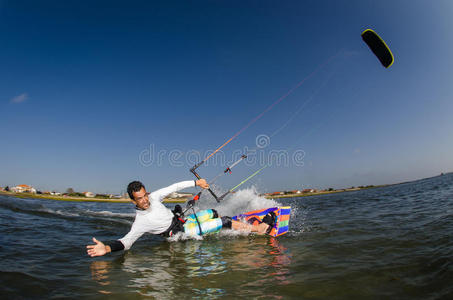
(394, 242)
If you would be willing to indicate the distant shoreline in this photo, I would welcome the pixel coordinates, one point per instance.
(346, 190)
(325, 192)
(172, 200)
(80, 199)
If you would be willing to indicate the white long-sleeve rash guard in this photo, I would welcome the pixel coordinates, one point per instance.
(157, 218)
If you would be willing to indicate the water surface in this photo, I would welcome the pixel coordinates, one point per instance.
(393, 242)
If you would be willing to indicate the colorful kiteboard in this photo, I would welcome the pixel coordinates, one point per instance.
(282, 218)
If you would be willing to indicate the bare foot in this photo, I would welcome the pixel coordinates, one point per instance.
(262, 228)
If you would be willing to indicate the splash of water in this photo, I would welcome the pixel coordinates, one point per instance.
(240, 202)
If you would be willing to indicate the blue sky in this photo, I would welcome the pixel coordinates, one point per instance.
(87, 89)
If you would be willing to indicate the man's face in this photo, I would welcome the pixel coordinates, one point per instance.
(141, 199)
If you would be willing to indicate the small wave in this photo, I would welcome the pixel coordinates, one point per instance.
(222, 234)
(296, 232)
(39, 209)
(28, 285)
(106, 213)
(59, 212)
(181, 236)
(36, 209)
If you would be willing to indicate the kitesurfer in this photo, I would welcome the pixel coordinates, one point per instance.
(153, 217)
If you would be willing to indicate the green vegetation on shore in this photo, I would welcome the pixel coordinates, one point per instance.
(173, 200)
(330, 191)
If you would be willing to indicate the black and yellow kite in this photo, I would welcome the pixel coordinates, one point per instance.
(379, 47)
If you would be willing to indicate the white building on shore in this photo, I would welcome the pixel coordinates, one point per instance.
(23, 188)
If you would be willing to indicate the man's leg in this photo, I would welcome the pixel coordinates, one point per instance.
(254, 224)
(207, 226)
(203, 215)
(259, 228)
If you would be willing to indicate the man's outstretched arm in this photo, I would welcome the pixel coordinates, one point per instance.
(125, 243)
(160, 194)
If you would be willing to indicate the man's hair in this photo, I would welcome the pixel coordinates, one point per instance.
(134, 186)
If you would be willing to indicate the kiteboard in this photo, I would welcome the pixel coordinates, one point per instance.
(281, 223)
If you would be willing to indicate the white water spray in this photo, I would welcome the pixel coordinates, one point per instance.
(237, 203)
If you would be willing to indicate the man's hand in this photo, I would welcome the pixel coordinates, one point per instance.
(97, 250)
(202, 183)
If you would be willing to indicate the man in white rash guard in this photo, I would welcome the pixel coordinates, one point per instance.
(153, 217)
